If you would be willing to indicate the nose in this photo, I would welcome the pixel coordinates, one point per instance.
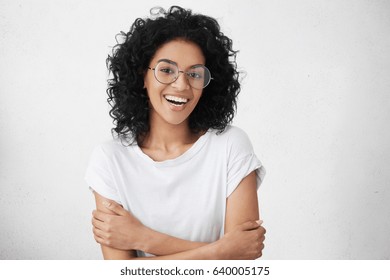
(181, 82)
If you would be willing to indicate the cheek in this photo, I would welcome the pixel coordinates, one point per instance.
(153, 89)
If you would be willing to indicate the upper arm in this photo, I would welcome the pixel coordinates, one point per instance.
(108, 252)
(242, 204)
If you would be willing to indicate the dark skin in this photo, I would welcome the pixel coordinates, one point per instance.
(120, 233)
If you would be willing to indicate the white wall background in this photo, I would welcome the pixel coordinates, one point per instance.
(315, 103)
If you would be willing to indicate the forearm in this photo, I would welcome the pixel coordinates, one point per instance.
(115, 254)
(205, 252)
(161, 244)
(244, 242)
(240, 243)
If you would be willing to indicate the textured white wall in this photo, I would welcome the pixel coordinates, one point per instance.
(315, 102)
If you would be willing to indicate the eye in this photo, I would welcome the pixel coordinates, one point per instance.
(195, 75)
(167, 70)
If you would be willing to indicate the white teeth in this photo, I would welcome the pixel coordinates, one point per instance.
(176, 99)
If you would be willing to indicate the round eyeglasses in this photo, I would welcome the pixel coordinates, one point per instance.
(167, 72)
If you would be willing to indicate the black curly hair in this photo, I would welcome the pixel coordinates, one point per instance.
(131, 57)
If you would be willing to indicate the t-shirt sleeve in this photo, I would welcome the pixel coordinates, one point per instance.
(242, 161)
(99, 176)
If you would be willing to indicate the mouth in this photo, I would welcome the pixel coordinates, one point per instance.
(175, 100)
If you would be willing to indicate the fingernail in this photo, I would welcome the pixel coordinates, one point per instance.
(259, 222)
(106, 203)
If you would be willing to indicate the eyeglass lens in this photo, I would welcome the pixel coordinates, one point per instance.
(198, 76)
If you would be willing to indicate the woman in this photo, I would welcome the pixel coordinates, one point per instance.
(178, 182)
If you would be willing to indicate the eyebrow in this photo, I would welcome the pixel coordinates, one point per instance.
(167, 60)
(174, 63)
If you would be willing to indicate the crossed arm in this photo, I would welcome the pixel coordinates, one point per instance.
(120, 233)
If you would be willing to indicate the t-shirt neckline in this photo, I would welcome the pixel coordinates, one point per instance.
(187, 155)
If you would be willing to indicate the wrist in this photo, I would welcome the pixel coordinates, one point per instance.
(220, 250)
(216, 250)
(143, 239)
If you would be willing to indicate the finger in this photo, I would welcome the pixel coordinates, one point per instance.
(259, 249)
(260, 255)
(99, 215)
(115, 207)
(99, 233)
(262, 239)
(263, 230)
(259, 233)
(249, 225)
(99, 240)
(98, 224)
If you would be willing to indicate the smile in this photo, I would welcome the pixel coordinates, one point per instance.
(175, 100)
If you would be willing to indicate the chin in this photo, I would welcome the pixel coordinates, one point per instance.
(176, 121)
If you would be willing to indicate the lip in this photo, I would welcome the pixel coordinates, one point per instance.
(178, 96)
(176, 108)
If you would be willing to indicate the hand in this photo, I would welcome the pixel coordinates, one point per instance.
(245, 242)
(119, 230)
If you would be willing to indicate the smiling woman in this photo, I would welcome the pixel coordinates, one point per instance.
(178, 182)
(174, 99)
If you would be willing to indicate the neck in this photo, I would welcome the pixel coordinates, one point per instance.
(167, 137)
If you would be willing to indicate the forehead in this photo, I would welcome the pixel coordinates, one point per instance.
(183, 53)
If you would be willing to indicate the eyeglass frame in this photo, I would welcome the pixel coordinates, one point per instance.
(178, 72)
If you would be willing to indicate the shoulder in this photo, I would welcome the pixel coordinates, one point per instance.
(234, 139)
(232, 135)
(235, 133)
(110, 149)
(112, 146)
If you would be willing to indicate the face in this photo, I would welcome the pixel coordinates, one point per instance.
(173, 103)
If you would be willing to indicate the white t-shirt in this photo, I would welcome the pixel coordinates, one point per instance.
(183, 197)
